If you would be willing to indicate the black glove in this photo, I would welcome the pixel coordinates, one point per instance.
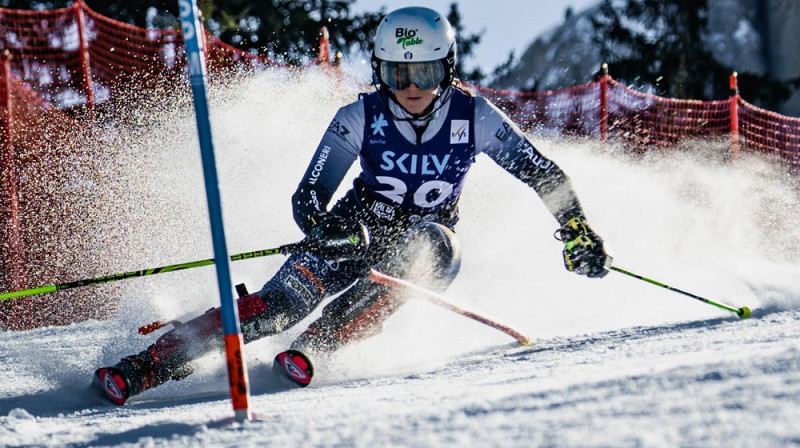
(335, 238)
(584, 253)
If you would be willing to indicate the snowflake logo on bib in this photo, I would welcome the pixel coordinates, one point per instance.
(378, 123)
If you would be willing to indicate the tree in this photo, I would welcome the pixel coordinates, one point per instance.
(288, 30)
(466, 44)
(661, 45)
(505, 68)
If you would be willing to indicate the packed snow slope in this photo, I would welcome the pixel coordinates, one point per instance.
(616, 361)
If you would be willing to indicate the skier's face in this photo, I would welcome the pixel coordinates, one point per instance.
(415, 100)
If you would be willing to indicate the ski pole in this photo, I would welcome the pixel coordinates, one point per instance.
(440, 300)
(347, 246)
(142, 273)
(743, 312)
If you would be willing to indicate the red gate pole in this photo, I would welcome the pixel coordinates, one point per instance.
(604, 102)
(86, 69)
(734, 86)
(11, 254)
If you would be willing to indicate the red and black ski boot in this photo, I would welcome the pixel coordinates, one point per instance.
(170, 357)
(294, 367)
(113, 383)
(135, 374)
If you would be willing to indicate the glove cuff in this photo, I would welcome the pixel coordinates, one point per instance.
(573, 228)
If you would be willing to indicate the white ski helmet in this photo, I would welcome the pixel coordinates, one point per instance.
(414, 44)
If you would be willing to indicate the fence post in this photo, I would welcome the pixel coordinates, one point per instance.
(604, 102)
(11, 255)
(324, 57)
(734, 86)
(86, 70)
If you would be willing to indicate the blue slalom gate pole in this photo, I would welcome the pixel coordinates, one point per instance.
(237, 372)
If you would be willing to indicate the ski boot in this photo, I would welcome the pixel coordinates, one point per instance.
(334, 329)
(135, 374)
(170, 357)
(294, 368)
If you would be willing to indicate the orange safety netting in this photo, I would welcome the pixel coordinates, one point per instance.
(44, 223)
(640, 118)
(123, 54)
(67, 55)
(43, 48)
(650, 121)
(770, 133)
(610, 110)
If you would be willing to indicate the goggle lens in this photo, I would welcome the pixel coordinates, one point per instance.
(400, 75)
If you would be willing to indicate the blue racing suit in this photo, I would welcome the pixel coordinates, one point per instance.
(412, 171)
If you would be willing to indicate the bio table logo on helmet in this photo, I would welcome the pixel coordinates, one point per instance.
(415, 45)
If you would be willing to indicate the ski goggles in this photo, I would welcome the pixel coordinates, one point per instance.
(400, 75)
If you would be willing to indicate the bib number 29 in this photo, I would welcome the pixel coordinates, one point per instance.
(428, 195)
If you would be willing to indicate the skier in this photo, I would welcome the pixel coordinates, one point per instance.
(416, 137)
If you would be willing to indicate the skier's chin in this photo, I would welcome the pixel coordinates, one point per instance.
(415, 105)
